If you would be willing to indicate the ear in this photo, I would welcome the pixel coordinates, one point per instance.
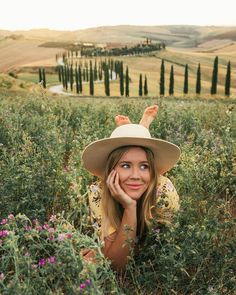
(122, 120)
(149, 115)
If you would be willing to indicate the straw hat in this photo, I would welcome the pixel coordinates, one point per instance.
(95, 155)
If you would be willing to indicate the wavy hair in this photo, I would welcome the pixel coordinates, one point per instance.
(113, 211)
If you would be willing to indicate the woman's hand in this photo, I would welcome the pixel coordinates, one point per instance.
(117, 192)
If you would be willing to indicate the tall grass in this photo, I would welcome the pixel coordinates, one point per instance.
(45, 220)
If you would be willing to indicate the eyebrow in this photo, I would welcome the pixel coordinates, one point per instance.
(131, 162)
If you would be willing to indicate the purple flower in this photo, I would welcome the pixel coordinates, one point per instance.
(51, 259)
(82, 286)
(4, 233)
(88, 282)
(4, 221)
(42, 262)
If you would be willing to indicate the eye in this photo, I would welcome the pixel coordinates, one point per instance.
(144, 166)
(125, 165)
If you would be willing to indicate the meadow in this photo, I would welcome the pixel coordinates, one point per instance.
(44, 212)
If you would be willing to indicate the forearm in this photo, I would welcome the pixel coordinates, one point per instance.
(120, 249)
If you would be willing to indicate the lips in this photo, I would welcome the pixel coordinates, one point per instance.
(134, 186)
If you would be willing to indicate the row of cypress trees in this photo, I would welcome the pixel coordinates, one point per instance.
(214, 81)
(42, 77)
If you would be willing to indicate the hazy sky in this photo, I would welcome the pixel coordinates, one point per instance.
(79, 14)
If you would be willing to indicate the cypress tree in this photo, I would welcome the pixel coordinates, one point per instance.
(127, 82)
(84, 75)
(87, 74)
(95, 71)
(198, 81)
(77, 80)
(44, 78)
(66, 77)
(62, 76)
(91, 84)
(186, 80)
(145, 90)
(227, 79)
(140, 92)
(214, 77)
(80, 80)
(106, 81)
(71, 77)
(162, 79)
(121, 79)
(40, 75)
(59, 73)
(171, 84)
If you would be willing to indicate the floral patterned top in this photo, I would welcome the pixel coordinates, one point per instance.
(167, 200)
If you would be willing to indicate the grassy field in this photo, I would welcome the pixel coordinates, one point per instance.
(45, 219)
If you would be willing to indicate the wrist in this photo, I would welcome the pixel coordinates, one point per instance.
(130, 207)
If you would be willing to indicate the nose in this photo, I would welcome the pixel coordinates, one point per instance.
(135, 173)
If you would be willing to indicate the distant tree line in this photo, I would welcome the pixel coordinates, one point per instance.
(214, 80)
(110, 69)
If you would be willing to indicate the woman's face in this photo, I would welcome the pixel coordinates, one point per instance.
(134, 172)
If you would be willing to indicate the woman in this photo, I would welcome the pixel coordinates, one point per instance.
(133, 189)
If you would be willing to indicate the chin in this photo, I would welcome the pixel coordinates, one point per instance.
(135, 196)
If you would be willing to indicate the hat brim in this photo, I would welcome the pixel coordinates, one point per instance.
(95, 155)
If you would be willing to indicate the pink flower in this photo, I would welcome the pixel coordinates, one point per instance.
(51, 230)
(82, 286)
(69, 236)
(28, 228)
(61, 237)
(88, 282)
(4, 233)
(46, 226)
(27, 254)
(51, 259)
(11, 216)
(4, 221)
(39, 228)
(42, 262)
(51, 237)
(2, 276)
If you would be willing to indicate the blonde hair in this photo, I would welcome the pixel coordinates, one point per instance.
(113, 211)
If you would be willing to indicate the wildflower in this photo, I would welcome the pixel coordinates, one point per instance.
(27, 254)
(51, 237)
(42, 262)
(51, 230)
(28, 228)
(53, 218)
(82, 286)
(51, 259)
(4, 233)
(68, 236)
(4, 221)
(61, 237)
(46, 226)
(11, 216)
(88, 282)
(2, 276)
(39, 228)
